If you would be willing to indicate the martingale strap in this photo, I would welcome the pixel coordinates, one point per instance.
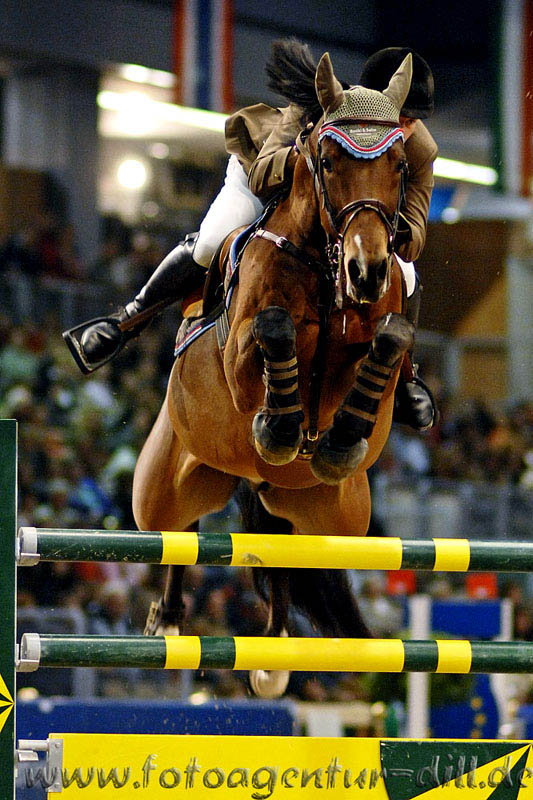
(288, 247)
(318, 363)
(326, 293)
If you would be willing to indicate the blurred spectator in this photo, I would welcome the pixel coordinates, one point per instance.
(126, 261)
(523, 623)
(52, 584)
(44, 248)
(526, 474)
(410, 452)
(18, 362)
(116, 243)
(109, 615)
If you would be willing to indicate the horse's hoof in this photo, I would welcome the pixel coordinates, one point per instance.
(332, 465)
(269, 684)
(155, 624)
(276, 449)
(394, 335)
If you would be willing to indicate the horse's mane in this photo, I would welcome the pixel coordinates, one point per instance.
(291, 73)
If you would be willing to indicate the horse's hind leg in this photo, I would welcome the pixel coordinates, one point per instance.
(277, 427)
(167, 614)
(272, 585)
(171, 491)
(344, 445)
(272, 683)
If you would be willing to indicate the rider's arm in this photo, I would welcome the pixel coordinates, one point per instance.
(262, 138)
(275, 162)
(421, 152)
(247, 129)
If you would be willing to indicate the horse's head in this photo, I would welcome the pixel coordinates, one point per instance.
(360, 167)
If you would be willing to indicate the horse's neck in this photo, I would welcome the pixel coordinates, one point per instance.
(298, 214)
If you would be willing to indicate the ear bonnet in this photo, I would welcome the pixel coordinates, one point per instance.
(367, 122)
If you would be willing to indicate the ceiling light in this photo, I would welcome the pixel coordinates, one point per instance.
(140, 108)
(165, 80)
(461, 171)
(134, 73)
(131, 174)
(150, 209)
(451, 215)
(138, 112)
(153, 77)
(159, 150)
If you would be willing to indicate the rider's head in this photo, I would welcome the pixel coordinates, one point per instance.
(377, 73)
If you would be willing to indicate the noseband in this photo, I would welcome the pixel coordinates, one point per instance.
(345, 217)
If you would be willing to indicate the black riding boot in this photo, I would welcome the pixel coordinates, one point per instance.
(96, 342)
(413, 402)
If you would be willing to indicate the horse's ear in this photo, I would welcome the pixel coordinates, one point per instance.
(400, 83)
(328, 89)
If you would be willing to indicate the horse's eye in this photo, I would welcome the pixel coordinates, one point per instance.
(327, 166)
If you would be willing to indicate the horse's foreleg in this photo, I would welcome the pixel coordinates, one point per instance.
(277, 426)
(344, 445)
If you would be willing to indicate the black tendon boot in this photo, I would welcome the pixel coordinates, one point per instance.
(96, 342)
(413, 402)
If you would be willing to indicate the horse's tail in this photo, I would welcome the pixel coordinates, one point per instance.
(324, 595)
(291, 73)
(256, 519)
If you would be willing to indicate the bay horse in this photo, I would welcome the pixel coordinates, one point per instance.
(299, 401)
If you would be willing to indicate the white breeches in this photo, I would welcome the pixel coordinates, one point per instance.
(234, 206)
(409, 274)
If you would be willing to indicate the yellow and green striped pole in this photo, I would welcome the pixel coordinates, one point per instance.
(255, 652)
(267, 550)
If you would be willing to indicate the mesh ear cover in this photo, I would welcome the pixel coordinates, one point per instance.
(366, 123)
(365, 104)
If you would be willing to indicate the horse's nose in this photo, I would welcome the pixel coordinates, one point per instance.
(381, 270)
(368, 282)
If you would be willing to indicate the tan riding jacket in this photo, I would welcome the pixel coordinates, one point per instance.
(262, 138)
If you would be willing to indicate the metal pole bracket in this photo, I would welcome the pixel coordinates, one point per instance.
(28, 751)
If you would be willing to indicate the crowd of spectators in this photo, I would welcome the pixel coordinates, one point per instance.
(79, 438)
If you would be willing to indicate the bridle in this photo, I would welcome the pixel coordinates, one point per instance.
(340, 221)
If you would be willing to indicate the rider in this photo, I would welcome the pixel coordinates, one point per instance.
(414, 403)
(260, 141)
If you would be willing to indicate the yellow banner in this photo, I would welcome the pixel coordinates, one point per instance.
(131, 766)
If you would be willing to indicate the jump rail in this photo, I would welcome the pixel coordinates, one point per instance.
(238, 653)
(256, 550)
(254, 652)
